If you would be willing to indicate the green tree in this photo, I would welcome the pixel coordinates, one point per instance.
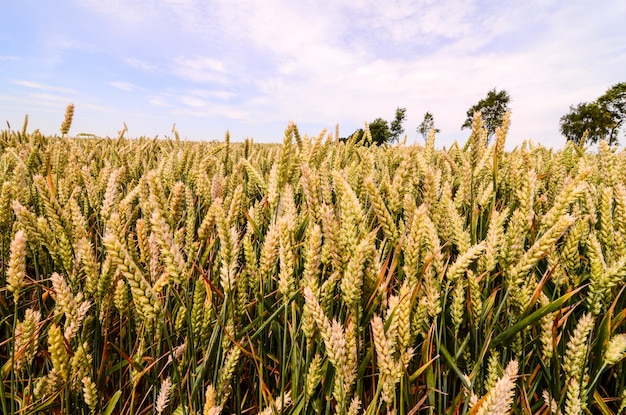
(586, 118)
(614, 102)
(357, 134)
(428, 123)
(396, 129)
(492, 109)
(598, 120)
(382, 131)
(379, 129)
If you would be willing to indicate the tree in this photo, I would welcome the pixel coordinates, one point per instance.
(586, 118)
(396, 128)
(379, 129)
(614, 102)
(357, 135)
(427, 124)
(598, 120)
(492, 110)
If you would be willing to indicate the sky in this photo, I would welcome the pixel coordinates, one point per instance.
(249, 67)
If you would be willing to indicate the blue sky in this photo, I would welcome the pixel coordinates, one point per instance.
(251, 66)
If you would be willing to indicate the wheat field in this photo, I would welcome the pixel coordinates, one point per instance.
(144, 276)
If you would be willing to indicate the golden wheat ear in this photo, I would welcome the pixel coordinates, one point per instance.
(67, 121)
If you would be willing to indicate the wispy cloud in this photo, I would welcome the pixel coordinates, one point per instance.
(43, 87)
(258, 64)
(141, 64)
(130, 11)
(124, 86)
(192, 101)
(50, 102)
(200, 69)
(52, 99)
(222, 95)
(58, 45)
(159, 101)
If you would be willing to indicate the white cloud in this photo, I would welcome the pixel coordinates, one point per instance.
(14, 99)
(159, 101)
(43, 87)
(200, 103)
(124, 86)
(192, 101)
(129, 11)
(268, 61)
(36, 102)
(52, 99)
(211, 94)
(57, 45)
(141, 64)
(200, 69)
(322, 73)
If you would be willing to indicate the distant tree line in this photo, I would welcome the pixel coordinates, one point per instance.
(492, 109)
(585, 122)
(382, 131)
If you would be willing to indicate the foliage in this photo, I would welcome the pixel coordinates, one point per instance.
(381, 131)
(317, 276)
(492, 109)
(427, 124)
(586, 121)
(598, 120)
(396, 129)
(614, 102)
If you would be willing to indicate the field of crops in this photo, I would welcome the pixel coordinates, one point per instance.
(314, 277)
